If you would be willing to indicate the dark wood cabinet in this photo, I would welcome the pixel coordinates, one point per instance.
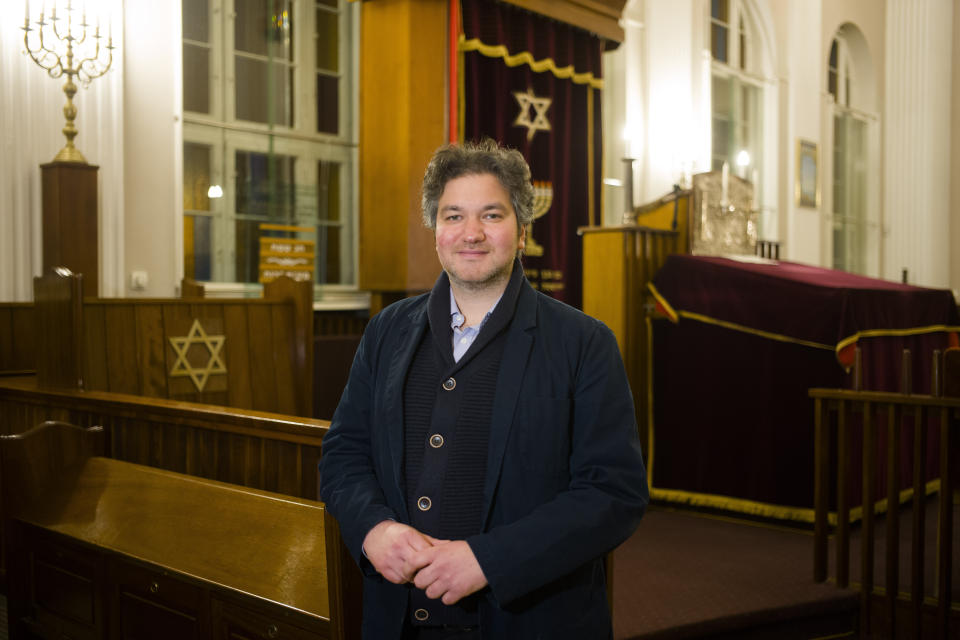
(61, 588)
(155, 605)
(74, 591)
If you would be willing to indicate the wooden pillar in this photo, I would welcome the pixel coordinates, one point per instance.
(403, 80)
(70, 221)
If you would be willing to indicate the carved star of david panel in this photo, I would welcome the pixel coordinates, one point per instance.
(184, 365)
(526, 100)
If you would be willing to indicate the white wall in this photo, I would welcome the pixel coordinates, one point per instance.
(917, 120)
(153, 233)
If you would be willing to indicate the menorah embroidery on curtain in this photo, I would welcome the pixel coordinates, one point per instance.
(542, 200)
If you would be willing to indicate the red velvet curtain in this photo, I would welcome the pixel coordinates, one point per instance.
(520, 73)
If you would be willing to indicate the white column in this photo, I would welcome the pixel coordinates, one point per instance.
(917, 141)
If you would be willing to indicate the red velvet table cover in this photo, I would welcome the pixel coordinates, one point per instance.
(741, 342)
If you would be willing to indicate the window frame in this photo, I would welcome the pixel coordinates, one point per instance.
(226, 134)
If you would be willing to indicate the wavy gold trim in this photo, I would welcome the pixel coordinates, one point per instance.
(877, 333)
(525, 57)
(780, 512)
(758, 332)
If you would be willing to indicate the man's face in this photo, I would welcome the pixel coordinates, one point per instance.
(477, 233)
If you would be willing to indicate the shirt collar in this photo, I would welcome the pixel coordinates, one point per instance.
(457, 319)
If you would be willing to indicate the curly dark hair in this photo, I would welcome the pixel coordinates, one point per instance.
(471, 158)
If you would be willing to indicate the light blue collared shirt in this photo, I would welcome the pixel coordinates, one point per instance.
(463, 338)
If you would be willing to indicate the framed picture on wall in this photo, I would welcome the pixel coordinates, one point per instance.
(807, 188)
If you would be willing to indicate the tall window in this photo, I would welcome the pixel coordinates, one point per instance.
(269, 144)
(849, 165)
(736, 91)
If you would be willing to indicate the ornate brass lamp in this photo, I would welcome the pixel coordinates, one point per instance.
(63, 43)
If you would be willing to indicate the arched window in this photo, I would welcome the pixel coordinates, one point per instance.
(736, 89)
(850, 142)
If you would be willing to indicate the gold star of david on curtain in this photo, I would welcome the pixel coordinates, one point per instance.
(214, 365)
(526, 100)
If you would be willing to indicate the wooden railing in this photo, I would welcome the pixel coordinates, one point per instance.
(261, 450)
(618, 262)
(878, 422)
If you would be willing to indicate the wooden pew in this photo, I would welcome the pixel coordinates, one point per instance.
(246, 353)
(102, 548)
(17, 338)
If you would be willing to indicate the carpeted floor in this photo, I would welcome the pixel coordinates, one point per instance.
(685, 575)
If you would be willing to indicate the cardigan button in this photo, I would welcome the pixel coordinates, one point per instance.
(436, 441)
(421, 615)
(424, 503)
(449, 384)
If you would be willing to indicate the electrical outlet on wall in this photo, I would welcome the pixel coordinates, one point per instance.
(139, 280)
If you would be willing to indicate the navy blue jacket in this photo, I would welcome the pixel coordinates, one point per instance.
(565, 480)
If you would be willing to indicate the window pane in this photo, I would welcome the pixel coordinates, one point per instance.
(196, 176)
(259, 24)
(718, 40)
(720, 10)
(743, 46)
(266, 186)
(328, 40)
(247, 262)
(196, 78)
(264, 91)
(328, 104)
(197, 242)
(328, 200)
(196, 24)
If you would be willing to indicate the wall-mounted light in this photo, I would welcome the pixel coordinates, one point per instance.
(215, 191)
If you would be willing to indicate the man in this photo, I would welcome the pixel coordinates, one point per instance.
(484, 454)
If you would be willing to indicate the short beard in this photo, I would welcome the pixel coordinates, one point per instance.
(495, 280)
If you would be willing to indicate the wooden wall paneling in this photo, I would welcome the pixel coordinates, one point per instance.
(177, 449)
(300, 296)
(24, 337)
(120, 326)
(284, 367)
(238, 356)
(270, 466)
(402, 64)
(263, 390)
(309, 461)
(290, 468)
(151, 350)
(242, 447)
(6, 339)
(95, 348)
(177, 321)
(210, 315)
(204, 453)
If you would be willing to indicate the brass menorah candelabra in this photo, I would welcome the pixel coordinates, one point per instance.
(542, 200)
(65, 44)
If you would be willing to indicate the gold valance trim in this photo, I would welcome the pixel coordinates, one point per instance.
(525, 57)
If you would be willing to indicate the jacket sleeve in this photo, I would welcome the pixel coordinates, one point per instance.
(349, 485)
(607, 491)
